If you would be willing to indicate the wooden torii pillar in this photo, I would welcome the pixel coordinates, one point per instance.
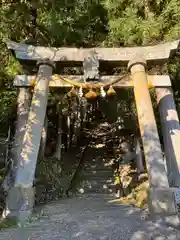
(161, 197)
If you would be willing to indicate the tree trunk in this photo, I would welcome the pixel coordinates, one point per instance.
(59, 137)
(43, 138)
(77, 122)
(139, 156)
(147, 10)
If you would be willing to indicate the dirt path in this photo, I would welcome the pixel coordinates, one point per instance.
(90, 218)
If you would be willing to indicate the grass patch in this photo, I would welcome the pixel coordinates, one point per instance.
(8, 223)
(138, 197)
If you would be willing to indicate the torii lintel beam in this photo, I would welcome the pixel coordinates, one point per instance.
(157, 53)
(120, 81)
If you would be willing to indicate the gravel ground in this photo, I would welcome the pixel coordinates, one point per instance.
(91, 217)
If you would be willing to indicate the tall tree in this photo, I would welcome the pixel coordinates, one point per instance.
(136, 22)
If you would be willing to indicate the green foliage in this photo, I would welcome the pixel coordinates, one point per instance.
(49, 184)
(74, 23)
(173, 67)
(146, 22)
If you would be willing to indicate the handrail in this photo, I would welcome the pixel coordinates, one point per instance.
(77, 167)
(4, 140)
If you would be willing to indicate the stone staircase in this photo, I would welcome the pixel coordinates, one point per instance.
(98, 174)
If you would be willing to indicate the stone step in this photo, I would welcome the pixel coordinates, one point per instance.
(96, 179)
(100, 169)
(97, 173)
(98, 182)
(98, 165)
(98, 189)
(102, 159)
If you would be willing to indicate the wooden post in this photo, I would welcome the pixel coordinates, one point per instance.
(57, 154)
(171, 133)
(139, 156)
(21, 196)
(161, 198)
(43, 138)
(77, 126)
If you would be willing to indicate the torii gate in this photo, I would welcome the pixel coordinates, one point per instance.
(137, 59)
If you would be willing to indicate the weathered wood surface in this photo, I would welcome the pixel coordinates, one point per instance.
(125, 82)
(122, 55)
(171, 133)
(148, 129)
